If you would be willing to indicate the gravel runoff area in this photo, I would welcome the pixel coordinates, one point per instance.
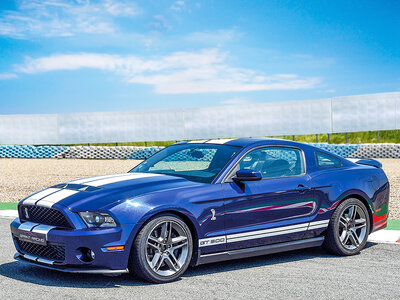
(22, 177)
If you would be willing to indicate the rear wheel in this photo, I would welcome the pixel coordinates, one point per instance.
(348, 228)
(162, 250)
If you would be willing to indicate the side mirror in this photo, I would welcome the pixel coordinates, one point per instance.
(247, 175)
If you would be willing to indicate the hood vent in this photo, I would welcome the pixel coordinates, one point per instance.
(77, 187)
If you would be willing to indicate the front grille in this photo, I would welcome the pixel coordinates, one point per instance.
(43, 215)
(53, 252)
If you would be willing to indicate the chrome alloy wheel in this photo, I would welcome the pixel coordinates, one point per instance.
(352, 227)
(167, 248)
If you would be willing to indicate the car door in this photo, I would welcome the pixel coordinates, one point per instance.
(273, 209)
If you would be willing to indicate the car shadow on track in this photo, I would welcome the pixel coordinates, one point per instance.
(265, 260)
(36, 275)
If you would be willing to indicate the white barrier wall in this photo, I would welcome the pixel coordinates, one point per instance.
(152, 125)
(366, 112)
(342, 114)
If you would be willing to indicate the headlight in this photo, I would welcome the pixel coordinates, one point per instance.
(95, 219)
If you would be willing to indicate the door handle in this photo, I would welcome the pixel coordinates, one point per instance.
(301, 188)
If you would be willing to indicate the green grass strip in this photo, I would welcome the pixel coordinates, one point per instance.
(393, 225)
(8, 205)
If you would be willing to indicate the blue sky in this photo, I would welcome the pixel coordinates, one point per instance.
(113, 55)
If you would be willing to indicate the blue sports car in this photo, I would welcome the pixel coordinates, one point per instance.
(201, 202)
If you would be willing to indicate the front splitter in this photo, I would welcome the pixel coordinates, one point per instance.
(34, 262)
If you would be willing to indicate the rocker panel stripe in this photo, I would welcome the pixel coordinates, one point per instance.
(250, 235)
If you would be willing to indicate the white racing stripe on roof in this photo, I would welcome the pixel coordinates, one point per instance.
(120, 178)
(34, 198)
(221, 141)
(197, 142)
(50, 200)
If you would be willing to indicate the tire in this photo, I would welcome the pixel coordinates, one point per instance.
(162, 250)
(348, 228)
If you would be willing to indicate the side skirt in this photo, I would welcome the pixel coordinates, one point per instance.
(260, 250)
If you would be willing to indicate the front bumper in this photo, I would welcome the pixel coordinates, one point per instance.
(31, 260)
(71, 242)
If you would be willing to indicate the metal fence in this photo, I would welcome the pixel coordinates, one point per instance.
(132, 152)
(333, 115)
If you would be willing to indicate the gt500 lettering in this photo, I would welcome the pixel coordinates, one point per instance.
(212, 241)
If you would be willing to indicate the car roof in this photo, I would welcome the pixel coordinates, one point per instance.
(245, 142)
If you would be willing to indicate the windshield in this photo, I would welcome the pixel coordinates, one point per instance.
(195, 162)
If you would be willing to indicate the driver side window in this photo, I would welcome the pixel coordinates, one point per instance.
(273, 162)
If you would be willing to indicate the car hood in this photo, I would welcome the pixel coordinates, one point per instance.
(96, 192)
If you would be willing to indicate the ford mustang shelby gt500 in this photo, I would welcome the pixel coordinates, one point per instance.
(201, 202)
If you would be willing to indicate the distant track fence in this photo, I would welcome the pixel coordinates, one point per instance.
(131, 152)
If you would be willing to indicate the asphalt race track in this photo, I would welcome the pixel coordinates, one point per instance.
(309, 273)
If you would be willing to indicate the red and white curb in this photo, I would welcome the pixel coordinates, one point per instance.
(381, 236)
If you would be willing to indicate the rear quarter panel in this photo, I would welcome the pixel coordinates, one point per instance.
(336, 184)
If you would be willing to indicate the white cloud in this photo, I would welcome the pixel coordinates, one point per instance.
(7, 76)
(178, 5)
(160, 23)
(120, 8)
(216, 37)
(178, 73)
(63, 18)
(311, 61)
(235, 101)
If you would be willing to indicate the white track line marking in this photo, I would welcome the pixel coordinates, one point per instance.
(8, 214)
(385, 236)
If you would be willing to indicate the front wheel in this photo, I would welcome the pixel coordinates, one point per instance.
(348, 229)
(162, 250)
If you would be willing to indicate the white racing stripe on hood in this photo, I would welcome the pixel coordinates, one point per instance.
(49, 201)
(120, 178)
(34, 198)
(85, 180)
(51, 196)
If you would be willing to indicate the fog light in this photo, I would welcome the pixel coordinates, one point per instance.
(85, 254)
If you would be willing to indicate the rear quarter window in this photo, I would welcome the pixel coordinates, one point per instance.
(327, 161)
